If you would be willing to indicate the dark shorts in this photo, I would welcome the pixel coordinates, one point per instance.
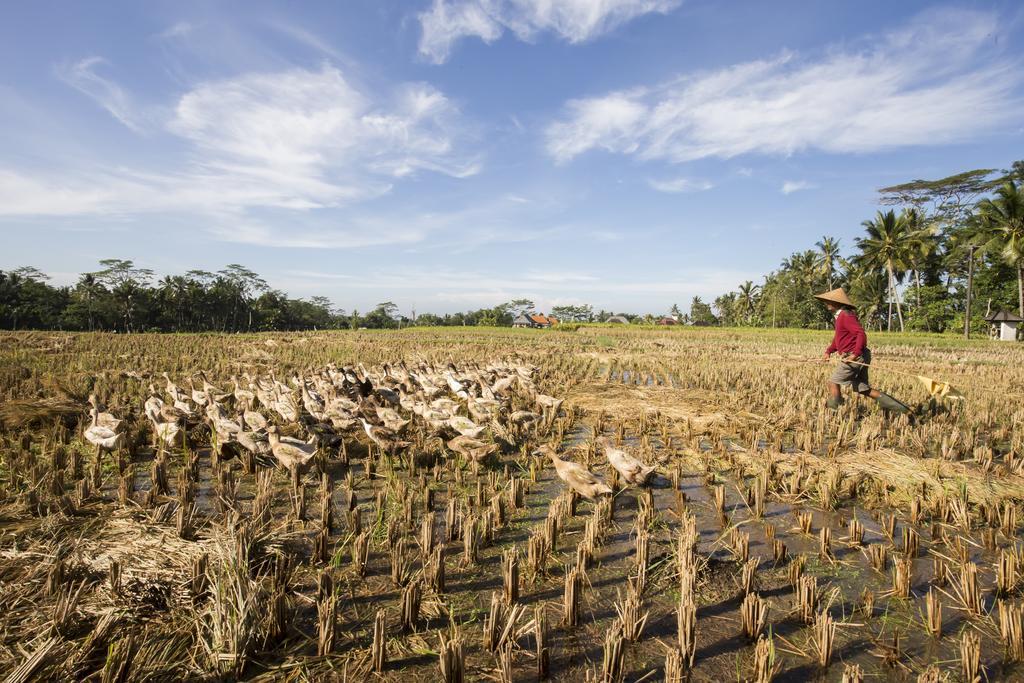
(853, 376)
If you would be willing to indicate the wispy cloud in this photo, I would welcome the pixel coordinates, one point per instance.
(448, 21)
(82, 76)
(309, 39)
(937, 80)
(791, 186)
(296, 140)
(317, 127)
(678, 185)
(179, 29)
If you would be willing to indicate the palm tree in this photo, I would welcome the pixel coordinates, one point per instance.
(868, 287)
(886, 246)
(748, 297)
(804, 267)
(1002, 219)
(829, 248)
(921, 244)
(89, 289)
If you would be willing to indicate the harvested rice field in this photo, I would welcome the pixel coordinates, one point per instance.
(605, 504)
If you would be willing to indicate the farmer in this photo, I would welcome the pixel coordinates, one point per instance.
(851, 343)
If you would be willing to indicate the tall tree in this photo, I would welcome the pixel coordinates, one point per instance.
(748, 298)
(829, 249)
(886, 246)
(126, 282)
(246, 285)
(89, 291)
(701, 313)
(521, 306)
(1002, 220)
(947, 201)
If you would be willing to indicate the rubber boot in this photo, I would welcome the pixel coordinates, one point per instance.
(833, 402)
(887, 402)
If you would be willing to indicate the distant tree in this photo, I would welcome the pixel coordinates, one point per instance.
(725, 307)
(674, 312)
(921, 245)
(383, 316)
(887, 246)
(947, 201)
(700, 313)
(388, 308)
(581, 313)
(829, 248)
(87, 296)
(244, 285)
(1016, 172)
(1002, 220)
(127, 283)
(429, 320)
(31, 273)
(747, 298)
(521, 306)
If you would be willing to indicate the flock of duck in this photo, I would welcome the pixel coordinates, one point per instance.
(462, 406)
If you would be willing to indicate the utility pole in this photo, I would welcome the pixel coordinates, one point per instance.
(970, 289)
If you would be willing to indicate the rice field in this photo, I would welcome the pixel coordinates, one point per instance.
(442, 505)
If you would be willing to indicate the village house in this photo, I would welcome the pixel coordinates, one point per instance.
(538, 320)
(667, 320)
(1004, 325)
(618, 320)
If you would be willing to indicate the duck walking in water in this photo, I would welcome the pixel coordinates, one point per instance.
(578, 477)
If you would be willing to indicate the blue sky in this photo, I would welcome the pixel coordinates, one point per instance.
(453, 154)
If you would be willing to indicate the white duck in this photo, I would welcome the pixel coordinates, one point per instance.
(167, 432)
(383, 437)
(101, 418)
(472, 449)
(103, 438)
(292, 453)
(632, 470)
(466, 427)
(253, 418)
(578, 477)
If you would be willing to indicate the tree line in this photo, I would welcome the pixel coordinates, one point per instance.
(936, 248)
(938, 257)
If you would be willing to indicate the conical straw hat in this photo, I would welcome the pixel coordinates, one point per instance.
(836, 296)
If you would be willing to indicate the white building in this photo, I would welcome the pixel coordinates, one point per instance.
(1004, 325)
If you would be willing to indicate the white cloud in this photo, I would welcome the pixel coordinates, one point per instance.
(82, 76)
(938, 80)
(677, 185)
(319, 130)
(297, 140)
(791, 186)
(608, 122)
(445, 23)
(448, 21)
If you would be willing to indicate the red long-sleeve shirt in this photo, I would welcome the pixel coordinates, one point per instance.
(850, 336)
